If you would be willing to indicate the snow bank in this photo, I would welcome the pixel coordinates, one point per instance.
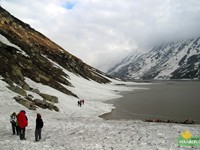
(79, 128)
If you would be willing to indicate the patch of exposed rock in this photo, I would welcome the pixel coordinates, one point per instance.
(187, 121)
(29, 101)
(32, 104)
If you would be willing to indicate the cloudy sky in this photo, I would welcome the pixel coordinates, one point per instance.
(102, 32)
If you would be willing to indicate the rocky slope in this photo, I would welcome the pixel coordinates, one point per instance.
(26, 53)
(180, 60)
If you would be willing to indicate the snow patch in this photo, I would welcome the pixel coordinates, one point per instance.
(4, 40)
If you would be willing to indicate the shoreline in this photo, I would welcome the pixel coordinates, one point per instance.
(157, 116)
(63, 129)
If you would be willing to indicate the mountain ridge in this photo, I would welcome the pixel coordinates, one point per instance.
(175, 60)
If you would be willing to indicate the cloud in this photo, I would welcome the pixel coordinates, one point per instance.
(103, 32)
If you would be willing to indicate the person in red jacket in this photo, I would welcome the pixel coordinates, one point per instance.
(22, 123)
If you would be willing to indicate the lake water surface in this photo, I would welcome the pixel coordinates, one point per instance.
(174, 100)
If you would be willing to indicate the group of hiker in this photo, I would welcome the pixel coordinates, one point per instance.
(19, 123)
(81, 102)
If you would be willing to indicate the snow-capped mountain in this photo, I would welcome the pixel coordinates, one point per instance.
(39, 70)
(178, 60)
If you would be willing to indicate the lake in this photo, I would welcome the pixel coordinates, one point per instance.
(166, 100)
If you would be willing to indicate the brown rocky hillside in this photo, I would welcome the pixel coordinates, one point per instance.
(30, 54)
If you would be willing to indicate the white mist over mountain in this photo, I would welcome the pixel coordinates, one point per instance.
(177, 60)
(102, 33)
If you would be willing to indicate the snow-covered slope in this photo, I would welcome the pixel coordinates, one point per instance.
(30, 61)
(80, 128)
(170, 61)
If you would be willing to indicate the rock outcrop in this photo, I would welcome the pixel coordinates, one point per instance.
(28, 104)
(32, 104)
(187, 121)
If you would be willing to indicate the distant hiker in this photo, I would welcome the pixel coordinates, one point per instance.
(82, 101)
(79, 103)
(13, 121)
(22, 123)
(38, 128)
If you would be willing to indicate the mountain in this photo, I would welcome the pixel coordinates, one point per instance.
(27, 54)
(178, 60)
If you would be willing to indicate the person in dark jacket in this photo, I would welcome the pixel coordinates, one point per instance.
(22, 121)
(13, 121)
(17, 127)
(38, 128)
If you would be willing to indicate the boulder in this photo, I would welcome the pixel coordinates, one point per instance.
(40, 103)
(17, 90)
(45, 104)
(56, 108)
(49, 98)
(16, 71)
(37, 79)
(50, 106)
(28, 104)
(35, 91)
(189, 121)
(8, 81)
(41, 76)
(26, 87)
(29, 97)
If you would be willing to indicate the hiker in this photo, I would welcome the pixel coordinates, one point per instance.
(13, 121)
(38, 128)
(22, 123)
(17, 127)
(82, 101)
(79, 103)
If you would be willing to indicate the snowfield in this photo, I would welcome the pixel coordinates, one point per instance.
(78, 128)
